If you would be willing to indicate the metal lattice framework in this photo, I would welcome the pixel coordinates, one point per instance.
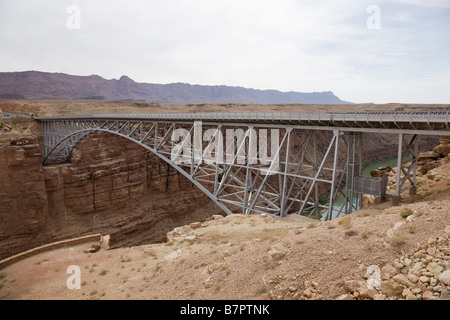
(260, 162)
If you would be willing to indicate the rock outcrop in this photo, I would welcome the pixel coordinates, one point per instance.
(443, 148)
(22, 193)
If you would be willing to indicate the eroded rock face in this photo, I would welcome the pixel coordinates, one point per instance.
(111, 186)
(22, 192)
(443, 148)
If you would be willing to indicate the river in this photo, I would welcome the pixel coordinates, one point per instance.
(367, 168)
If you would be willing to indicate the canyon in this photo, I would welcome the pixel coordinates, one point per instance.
(110, 186)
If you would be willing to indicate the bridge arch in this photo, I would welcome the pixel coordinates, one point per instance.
(303, 165)
(62, 150)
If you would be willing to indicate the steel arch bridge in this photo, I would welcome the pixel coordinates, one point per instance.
(264, 163)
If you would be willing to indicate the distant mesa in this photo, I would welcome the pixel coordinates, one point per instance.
(43, 85)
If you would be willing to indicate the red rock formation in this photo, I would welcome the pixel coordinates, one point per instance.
(111, 186)
(443, 148)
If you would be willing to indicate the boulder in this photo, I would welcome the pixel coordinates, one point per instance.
(445, 278)
(447, 230)
(445, 295)
(366, 293)
(173, 256)
(389, 271)
(435, 268)
(442, 149)
(391, 288)
(353, 285)
(402, 279)
(428, 295)
(427, 157)
(411, 297)
(277, 252)
(378, 173)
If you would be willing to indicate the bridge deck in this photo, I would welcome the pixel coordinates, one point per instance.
(425, 122)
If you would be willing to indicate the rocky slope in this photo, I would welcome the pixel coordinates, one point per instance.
(42, 85)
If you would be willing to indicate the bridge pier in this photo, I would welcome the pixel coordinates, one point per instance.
(407, 148)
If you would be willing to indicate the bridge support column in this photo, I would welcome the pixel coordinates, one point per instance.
(354, 168)
(409, 155)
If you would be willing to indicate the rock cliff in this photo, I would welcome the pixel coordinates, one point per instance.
(114, 188)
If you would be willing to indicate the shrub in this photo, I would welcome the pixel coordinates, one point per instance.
(406, 213)
(346, 222)
(365, 235)
(103, 272)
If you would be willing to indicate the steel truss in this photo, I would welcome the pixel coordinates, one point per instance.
(246, 168)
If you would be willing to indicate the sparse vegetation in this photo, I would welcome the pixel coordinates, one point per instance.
(365, 235)
(406, 213)
(419, 213)
(103, 272)
(125, 259)
(368, 246)
(398, 243)
(346, 222)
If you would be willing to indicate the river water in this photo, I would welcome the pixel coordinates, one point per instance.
(367, 168)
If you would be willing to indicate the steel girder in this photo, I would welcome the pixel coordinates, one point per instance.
(243, 168)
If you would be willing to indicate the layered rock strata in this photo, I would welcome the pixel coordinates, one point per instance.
(111, 186)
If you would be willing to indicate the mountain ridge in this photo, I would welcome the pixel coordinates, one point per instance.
(45, 85)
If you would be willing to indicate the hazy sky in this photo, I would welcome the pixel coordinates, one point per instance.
(364, 51)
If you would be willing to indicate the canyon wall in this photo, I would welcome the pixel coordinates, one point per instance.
(111, 186)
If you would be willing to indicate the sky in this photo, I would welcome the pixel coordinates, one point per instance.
(378, 51)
